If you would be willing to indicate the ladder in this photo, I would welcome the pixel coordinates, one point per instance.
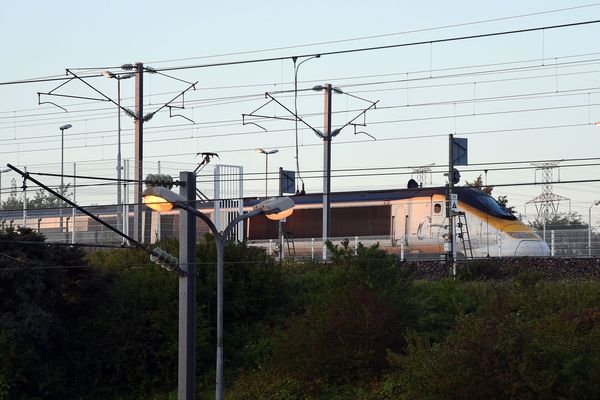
(462, 229)
(292, 250)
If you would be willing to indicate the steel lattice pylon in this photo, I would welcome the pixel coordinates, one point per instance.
(421, 174)
(547, 202)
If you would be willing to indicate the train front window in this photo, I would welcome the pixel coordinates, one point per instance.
(492, 205)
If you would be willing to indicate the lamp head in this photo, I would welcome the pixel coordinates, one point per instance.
(161, 199)
(67, 126)
(597, 202)
(276, 208)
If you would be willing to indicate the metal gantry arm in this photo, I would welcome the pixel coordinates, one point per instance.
(27, 176)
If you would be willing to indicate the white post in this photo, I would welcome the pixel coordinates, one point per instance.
(552, 243)
(158, 226)
(590, 231)
(499, 239)
(270, 247)
(74, 201)
(126, 202)
(402, 249)
(312, 248)
(355, 245)
(25, 203)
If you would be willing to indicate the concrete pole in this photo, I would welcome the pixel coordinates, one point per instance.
(119, 168)
(186, 382)
(62, 172)
(450, 255)
(280, 222)
(327, 169)
(139, 151)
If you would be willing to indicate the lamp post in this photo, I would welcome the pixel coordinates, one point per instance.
(119, 78)
(163, 199)
(595, 203)
(62, 170)
(266, 153)
(2, 172)
(296, 68)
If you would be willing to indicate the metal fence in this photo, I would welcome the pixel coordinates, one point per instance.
(77, 228)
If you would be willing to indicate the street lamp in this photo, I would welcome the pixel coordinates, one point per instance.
(163, 199)
(62, 169)
(1, 172)
(595, 203)
(119, 78)
(266, 153)
(296, 68)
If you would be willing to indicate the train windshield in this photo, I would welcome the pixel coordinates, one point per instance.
(490, 204)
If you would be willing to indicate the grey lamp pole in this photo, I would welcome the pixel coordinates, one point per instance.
(62, 170)
(2, 172)
(266, 153)
(595, 203)
(157, 196)
(119, 78)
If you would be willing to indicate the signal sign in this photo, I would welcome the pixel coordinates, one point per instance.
(454, 202)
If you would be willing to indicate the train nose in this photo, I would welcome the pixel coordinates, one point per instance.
(532, 248)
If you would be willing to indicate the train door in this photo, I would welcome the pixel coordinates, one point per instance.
(426, 227)
(439, 224)
(400, 220)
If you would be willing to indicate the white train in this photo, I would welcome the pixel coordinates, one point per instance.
(413, 220)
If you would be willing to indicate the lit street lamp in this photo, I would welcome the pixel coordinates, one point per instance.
(266, 153)
(119, 78)
(595, 203)
(163, 199)
(62, 169)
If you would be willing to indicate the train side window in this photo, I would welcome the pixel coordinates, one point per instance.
(437, 208)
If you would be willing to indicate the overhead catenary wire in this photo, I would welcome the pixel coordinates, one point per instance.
(334, 52)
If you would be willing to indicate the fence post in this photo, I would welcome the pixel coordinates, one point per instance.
(552, 243)
(402, 248)
(499, 238)
(312, 248)
(355, 245)
(270, 247)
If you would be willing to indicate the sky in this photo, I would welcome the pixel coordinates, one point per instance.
(517, 98)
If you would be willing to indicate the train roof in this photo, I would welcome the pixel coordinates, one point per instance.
(469, 195)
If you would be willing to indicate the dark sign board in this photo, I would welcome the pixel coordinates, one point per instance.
(459, 151)
(287, 181)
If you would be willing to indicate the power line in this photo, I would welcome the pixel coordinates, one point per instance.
(384, 47)
(335, 52)
(378, 36)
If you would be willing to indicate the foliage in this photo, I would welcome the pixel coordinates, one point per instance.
(356, 328)
(537, 343)
(566, 220)
(42, 298)
(502, 200)
(350, 316)
(40, 199)
(479, 184)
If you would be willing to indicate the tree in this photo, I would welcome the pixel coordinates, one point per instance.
(566, 220)
(41, 198)
(44, 292)
(478, 184)
(502, 200)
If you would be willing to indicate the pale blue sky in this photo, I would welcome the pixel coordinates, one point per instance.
(43, 38)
